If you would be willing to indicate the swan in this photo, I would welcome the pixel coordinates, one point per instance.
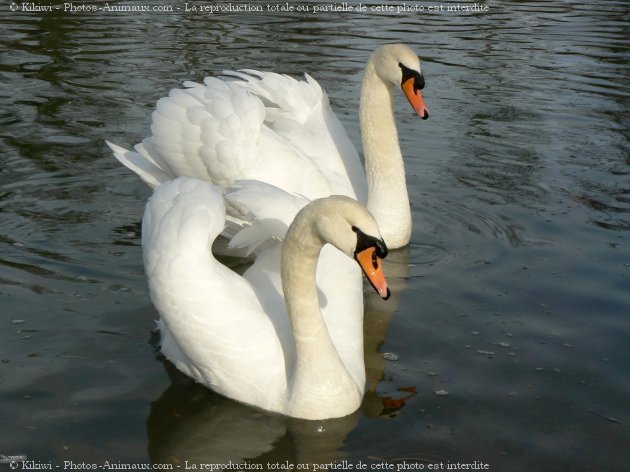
(272, 128)
(227, 332)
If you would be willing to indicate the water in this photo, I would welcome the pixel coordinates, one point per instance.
(508, 332)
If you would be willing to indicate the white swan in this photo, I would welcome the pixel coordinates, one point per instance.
(275, 129)
(230, 333)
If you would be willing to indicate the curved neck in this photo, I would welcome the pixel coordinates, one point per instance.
(388, 200)
(300, 252)
(319, 380)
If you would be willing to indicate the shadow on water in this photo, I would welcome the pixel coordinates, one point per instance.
(190, 423)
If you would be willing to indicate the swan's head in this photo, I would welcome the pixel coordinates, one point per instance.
(351, 228)
(399, 65)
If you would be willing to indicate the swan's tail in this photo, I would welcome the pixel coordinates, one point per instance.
(141, 164)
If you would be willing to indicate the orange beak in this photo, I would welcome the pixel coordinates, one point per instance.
(415, 98)
(372, 266)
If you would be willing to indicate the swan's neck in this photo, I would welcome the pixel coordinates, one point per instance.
(388, 200)
(320, 382)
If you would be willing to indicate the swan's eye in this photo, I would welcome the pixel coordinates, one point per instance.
(365, 241)
(381, 249)
(407, 73)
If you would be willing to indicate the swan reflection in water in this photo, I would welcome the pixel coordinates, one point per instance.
(191, 423)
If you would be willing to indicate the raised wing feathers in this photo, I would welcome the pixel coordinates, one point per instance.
(268, 211)
(300, 112)
(211, 319)
(261, 126)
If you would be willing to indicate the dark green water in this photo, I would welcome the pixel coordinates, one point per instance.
(511, 317)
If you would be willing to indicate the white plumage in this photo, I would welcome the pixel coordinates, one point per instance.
(275, 144)
(236, 334)
(282, 131)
